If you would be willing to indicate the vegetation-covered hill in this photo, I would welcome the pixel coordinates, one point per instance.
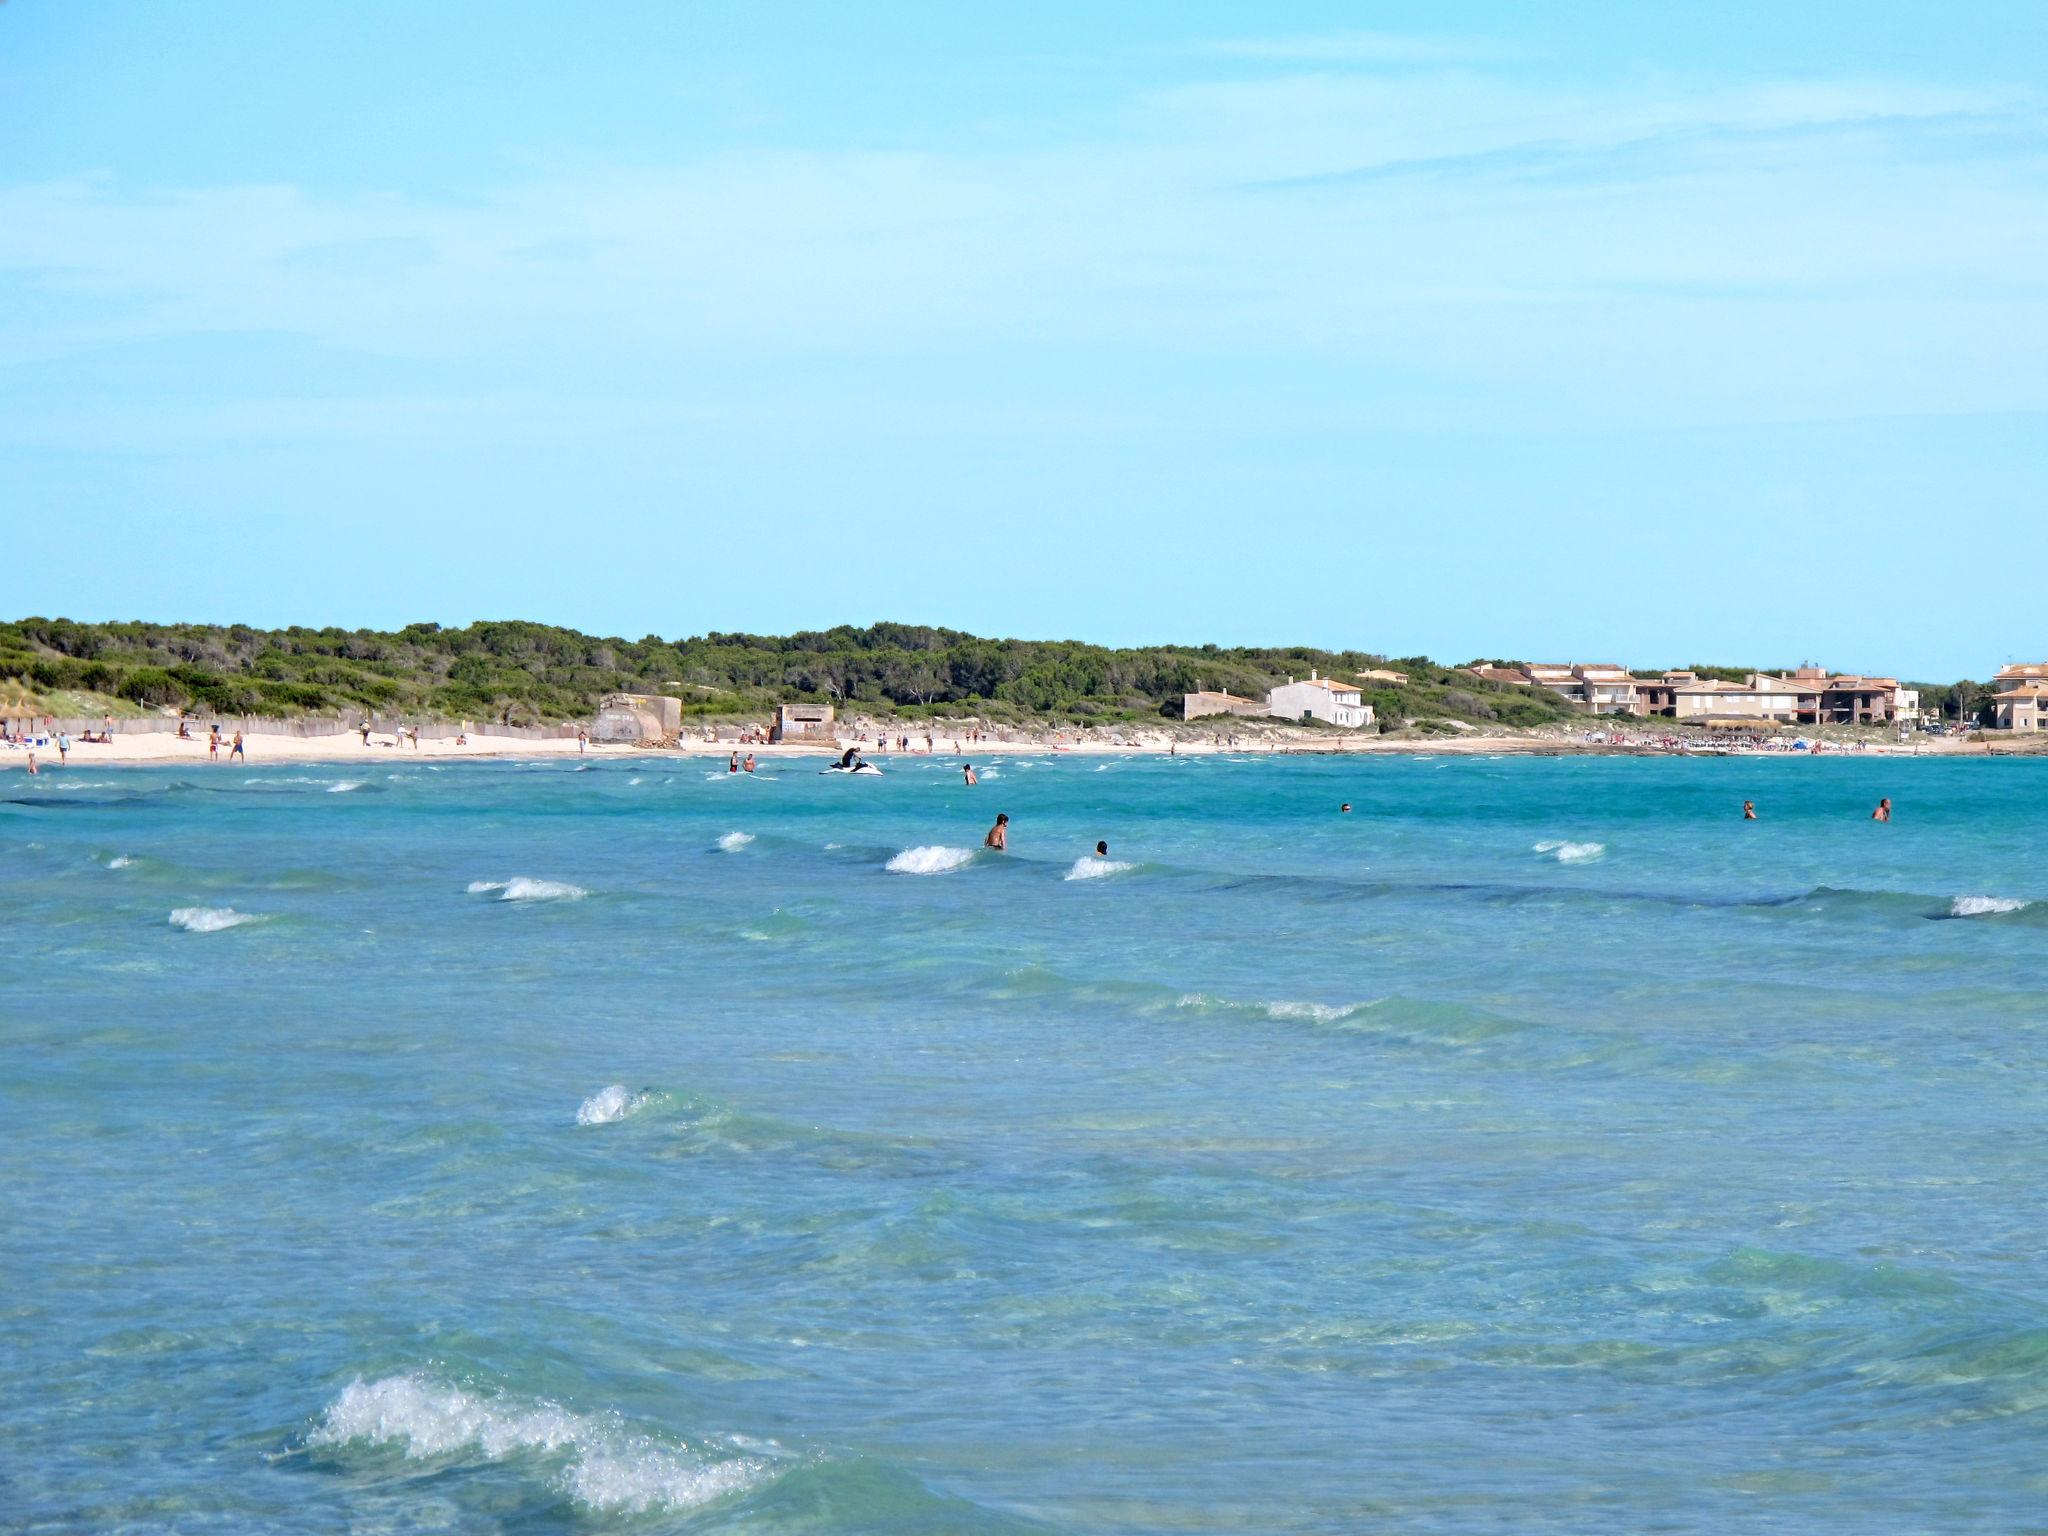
(521, 672)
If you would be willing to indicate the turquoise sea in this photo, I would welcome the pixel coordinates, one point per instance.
(626, 1146)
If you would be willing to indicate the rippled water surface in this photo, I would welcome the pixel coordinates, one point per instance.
(502, 1147)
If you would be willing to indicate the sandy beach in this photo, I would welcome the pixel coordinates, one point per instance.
(149, 749)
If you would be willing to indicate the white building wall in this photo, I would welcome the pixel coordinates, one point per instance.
(1290, 701)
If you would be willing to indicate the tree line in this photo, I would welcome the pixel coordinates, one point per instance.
(523, 672)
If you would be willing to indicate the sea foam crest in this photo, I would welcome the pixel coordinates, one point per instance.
(210, 919)
(929, 860)
(610, 1103)
(1096, 869)
(344, 786)
(119, 861)
(522, 888)
(605, 1468)
(1568, 852)
(733, 842)
(1282, 1010)
(1985, 906)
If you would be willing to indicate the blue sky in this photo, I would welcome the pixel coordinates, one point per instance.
(1601, 333)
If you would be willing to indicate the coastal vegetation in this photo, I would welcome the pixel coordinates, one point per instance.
(522, 673)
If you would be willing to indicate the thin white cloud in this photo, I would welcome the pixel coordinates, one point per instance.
(1355, 47)
(1774, 250)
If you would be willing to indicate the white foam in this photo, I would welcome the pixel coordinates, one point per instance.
(1570, 853)
(733, 842)
(1985, 906)
(609, 1104)
(606, 1468)
(522, 888)
(119, 861)
(929, 860)
(210, 919)
(1319, 1013)
(344, 786)
(1095, 869)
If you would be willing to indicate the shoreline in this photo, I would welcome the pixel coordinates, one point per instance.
(153, 749)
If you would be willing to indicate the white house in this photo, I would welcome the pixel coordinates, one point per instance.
(2022, 697)
(1320, 698)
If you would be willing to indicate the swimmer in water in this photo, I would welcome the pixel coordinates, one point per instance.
(1883, 811)
(1345, 808)
(998, 835)
(1749, 810)
(1102, 850)
(967, 772)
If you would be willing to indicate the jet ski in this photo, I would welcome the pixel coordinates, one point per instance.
(868, 770)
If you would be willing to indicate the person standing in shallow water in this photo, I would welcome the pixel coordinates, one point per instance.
(967, 772)
(1749, 810)
(998, 835)
(1883, 811)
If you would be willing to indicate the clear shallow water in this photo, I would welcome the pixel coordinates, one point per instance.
(509, 1147)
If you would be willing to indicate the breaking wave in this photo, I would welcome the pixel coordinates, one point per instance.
(344, 786)
(210, 919)
(1284, 1010)
(521, 888)
(612, 1103)
(733, 842)
(602, 1465)
(1096, 869)
(1985, 906)
(119, 861)
(1568, 852)
(929, 860)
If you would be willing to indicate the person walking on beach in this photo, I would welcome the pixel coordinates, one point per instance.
(213, 742)
(1749, 810)
(998, 835)
(63, 748)
(967, 773)
(1883, 811)
(582, 741)
(238, 752)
